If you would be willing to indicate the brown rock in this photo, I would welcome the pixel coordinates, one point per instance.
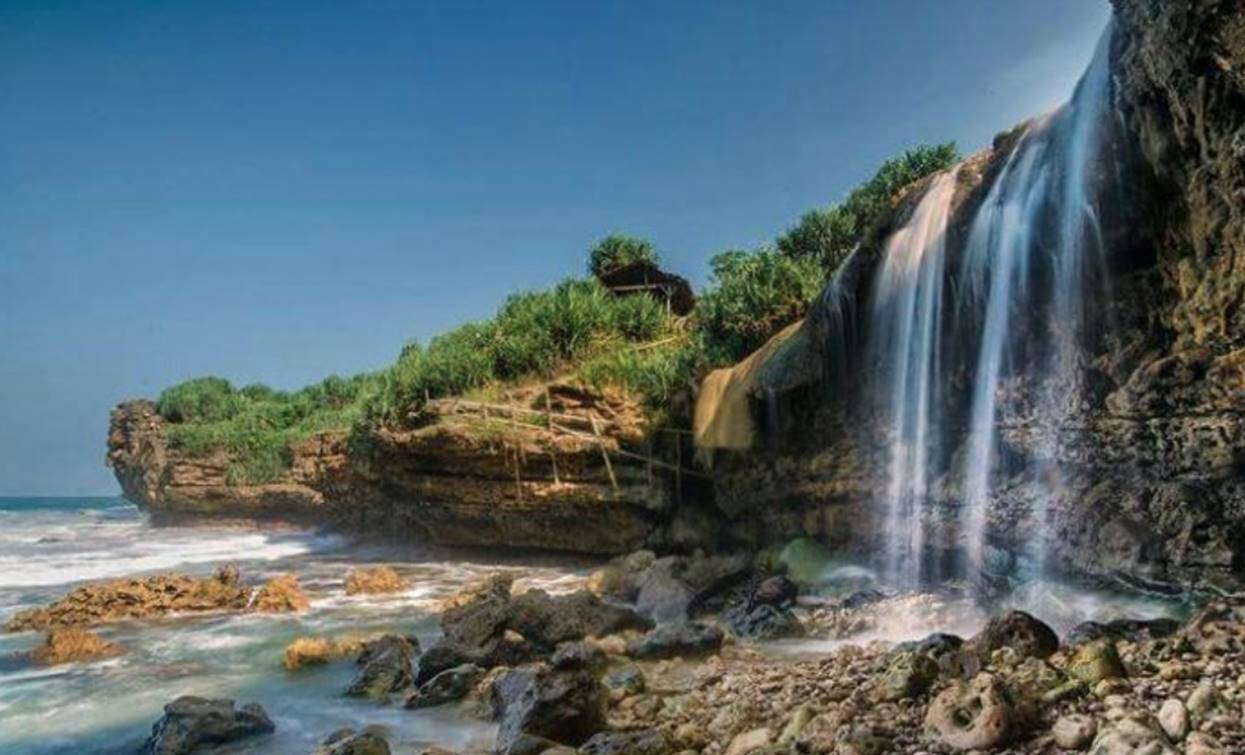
(280, 595)
(138, 598)
(316, 651)
(377, 580)
(975, 716)
(71, 644)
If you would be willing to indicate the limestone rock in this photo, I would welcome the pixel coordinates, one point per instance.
(376, 580)
(193, 722)
(975, 716)
(1174, 719)
(1018, 631)
(908, 674)
(1095, 661)
(138, 598)
(317, 651)
(1074, 731)
(1131, 736)
(73, 644)
(749, 741)
(280, 595)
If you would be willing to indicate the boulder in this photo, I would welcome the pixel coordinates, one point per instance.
(763, 622)
(1018, 631)
(563, 706)
(385, 668)
(975, 716)
(193, 722)
(909, 674)
(578, 655)
(1074, 731)
(687, 639)
(546, 620)
(448, 686)
(350, 742)
(480, 615)
(73, 644)
(507, 687)
(1131, 736)
(674, 586)
(1094, 661)
(638, 742)
(376, 580)
(1174, 719)
(777, 590)
(280, 595)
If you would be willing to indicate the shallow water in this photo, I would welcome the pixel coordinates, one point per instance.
(47, 547)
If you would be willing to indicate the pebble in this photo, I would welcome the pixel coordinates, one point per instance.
(1174, 718)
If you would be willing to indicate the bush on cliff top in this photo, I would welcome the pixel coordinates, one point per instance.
(828, 235)
(534, 334)
(618, 250)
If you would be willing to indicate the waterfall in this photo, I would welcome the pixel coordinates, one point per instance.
(905, 323)
(1011, 299)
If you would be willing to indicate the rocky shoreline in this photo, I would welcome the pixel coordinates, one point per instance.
(686, 655)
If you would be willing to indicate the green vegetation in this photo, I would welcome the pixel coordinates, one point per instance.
(578, 327)
(753, 296)
(828, 235)
(256, 425)
(618, 250)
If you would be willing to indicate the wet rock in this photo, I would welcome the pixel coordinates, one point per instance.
(673, 586)
(509, 686)
(1174, 719)
(935, 645)
(385, 668)
(1095, 661)
(1131, 630)
(638, 742)
(862, 598)
(317, 651)
(628, 680)
(562, 706)
(1018, 631)
(448, 686)
(280, 595)
(1074, 731)
(138, 598)
(479, 615)
(775, 591)
(1131, 736)
(72, 645)
(687, 639)
(578, 655)
(376, 580)
(547, 620)
(192, 722)
(350, 742)
(763, 622)
(975, 716)
(908, 675)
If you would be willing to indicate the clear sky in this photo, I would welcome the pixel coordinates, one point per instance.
(277, 191)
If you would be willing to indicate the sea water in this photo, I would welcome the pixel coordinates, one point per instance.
(48, 546)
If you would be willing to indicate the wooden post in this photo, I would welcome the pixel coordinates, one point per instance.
(604, 454)
(518, 455)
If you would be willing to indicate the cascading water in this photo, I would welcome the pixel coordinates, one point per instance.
(905, 323)
(1012, 299)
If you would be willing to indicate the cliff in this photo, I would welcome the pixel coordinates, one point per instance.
(1148, 450)
(461, 478)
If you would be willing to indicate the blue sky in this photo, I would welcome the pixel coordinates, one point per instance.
(277, 191)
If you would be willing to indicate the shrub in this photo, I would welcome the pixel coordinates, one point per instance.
(753, 296)
(200, 399)
(617, 250)
(653, 374)
(828, 235)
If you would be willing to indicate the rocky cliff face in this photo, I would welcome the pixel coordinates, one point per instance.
(1152, 487)
(451, 482)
